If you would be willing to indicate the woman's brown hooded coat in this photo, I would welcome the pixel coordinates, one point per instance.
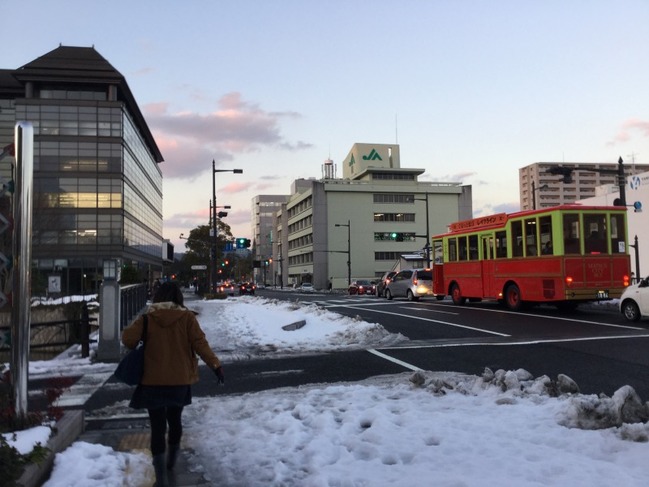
(174, 338)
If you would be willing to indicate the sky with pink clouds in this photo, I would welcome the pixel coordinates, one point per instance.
(471, 90)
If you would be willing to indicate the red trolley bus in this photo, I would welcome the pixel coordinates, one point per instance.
(564, 255)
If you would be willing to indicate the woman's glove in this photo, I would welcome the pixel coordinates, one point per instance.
(220, 377)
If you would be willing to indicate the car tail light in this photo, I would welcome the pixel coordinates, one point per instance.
(414, 281)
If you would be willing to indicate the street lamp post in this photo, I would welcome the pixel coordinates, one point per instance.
(427, 236)
(636, 247)
(215, 245)
(349, 249)
(534, 190)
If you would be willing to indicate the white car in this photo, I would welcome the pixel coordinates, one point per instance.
(306, 287)
(634, 302)
(411, 284)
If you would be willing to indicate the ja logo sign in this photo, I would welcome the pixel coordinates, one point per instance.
(372, 156)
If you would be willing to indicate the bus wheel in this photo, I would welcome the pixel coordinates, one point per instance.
(513, 297)
(456, 295)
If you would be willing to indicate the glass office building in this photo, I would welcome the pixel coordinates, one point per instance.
(97, 181)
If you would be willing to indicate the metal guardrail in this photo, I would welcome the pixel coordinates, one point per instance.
(133, 299)
(74, 331)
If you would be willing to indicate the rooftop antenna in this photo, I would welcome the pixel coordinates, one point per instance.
(396, 129)
(632, 156)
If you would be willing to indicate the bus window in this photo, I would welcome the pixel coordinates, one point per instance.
(452, 249)
(571, 234)
(473, 247)
(595, 231)
(461, 249)
(501, 245)
(517, 239)
(531, 246)
(545, 227)
(618, 245)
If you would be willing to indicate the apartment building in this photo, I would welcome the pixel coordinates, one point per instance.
(538, 188)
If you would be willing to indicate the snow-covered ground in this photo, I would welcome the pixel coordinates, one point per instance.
(504, 428)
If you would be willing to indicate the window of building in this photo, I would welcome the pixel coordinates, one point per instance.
(387, 176)
(394, 217)
(394, 198)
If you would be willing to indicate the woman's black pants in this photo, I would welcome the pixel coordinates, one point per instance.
(159, 419)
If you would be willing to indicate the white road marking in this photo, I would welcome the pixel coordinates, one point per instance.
(455, 325)
(393, 360)
(511, 343)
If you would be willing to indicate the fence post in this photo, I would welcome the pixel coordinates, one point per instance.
(108, 348)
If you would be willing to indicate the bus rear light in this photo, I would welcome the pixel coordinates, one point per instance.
(626, 281)
(568, 280)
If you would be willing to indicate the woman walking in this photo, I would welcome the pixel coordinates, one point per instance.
(173, 339)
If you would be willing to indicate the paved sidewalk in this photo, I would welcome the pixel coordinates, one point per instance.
(131, 435)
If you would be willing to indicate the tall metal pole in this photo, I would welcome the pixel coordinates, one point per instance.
(427, 235)
(621, 181)
(349, 253)
(636, 247)
(214, 239)
(215, 242)
(22, 261)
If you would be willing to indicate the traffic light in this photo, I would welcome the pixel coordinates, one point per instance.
(243, 243)
(566, 172)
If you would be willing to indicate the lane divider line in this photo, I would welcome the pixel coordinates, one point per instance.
(420, 318)
(394, 360)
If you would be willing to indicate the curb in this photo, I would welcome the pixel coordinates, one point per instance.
(68, 429)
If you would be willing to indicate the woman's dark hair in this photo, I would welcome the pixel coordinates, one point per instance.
(169, 291)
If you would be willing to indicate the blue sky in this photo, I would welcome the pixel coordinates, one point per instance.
(471, 90)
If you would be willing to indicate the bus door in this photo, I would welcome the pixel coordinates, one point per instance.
(488, 265)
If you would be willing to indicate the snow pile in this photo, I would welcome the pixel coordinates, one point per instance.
(426, 428)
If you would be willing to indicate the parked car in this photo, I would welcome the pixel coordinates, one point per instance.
(380, 287)
(634, 302)
(306, 287)
(411, 284)
(246, 288)
(362, 286)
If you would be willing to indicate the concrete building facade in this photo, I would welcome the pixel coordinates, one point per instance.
(264, 232)
(335, 230)
(97, 181)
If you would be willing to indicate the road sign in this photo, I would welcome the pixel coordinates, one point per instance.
(201, 267)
